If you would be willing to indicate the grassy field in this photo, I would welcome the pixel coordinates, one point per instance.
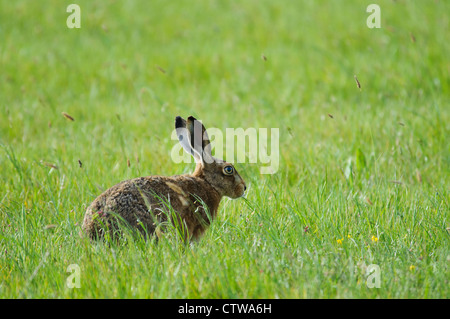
(363, 177)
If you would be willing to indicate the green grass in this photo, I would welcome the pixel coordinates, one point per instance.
(355, 165)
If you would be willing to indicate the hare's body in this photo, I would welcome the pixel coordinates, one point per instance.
(143, 203)
(135, 202)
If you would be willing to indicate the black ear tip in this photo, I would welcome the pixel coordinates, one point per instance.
(192, 118)
(179, 122)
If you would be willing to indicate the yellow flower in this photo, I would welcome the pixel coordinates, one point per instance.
(412, 267)
(339, 241)
(374, 239)
(348, 236)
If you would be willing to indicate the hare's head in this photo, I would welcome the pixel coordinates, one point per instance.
(219, 174)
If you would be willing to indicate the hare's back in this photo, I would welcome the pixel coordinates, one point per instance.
(130, 200)
(135, 192)
(143, 194)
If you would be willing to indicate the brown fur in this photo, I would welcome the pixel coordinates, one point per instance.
(139, 201)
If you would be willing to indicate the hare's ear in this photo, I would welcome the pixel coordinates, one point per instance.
(199, 139)
(184, 137)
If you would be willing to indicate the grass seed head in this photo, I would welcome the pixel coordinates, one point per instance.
(357, 83)
(67, 116)
(51, 165)
(160, 69)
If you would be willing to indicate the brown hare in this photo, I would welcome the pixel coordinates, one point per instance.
(144, 202)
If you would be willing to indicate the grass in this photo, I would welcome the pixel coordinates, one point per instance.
(363, 177)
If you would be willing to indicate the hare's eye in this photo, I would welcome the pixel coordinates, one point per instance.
(228, 170)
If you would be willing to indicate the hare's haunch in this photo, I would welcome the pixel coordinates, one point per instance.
(189, 201)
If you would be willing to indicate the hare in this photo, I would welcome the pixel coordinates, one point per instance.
(142, 202)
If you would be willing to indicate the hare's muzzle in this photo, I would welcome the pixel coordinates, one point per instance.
(240, 190)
